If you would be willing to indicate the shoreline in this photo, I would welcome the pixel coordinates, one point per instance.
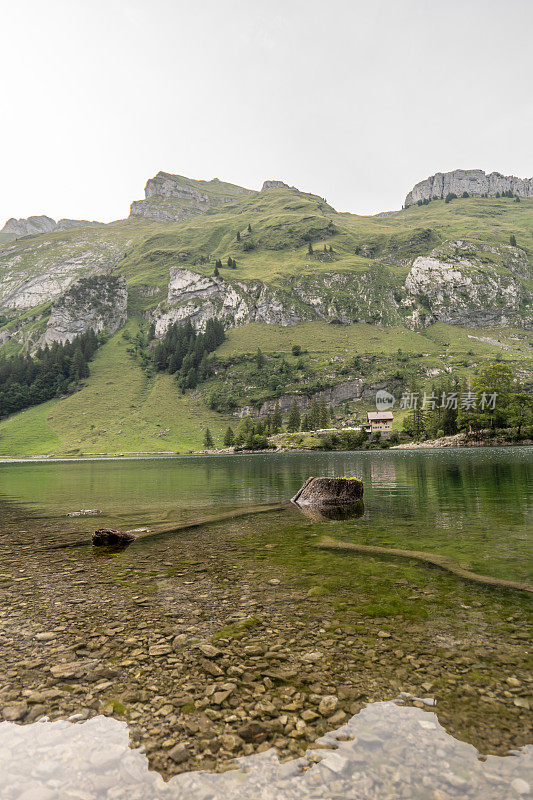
(447, 442)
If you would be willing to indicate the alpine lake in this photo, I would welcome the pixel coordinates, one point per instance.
(227, 654)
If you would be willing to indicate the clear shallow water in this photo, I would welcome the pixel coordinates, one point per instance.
(385, 752)
(475, 505)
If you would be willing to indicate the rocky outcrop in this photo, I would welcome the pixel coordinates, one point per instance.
(275, 185)
(473, 181)
(457, 286)
(98, 303)
(329, 492)
(35, 225)
(173, 197)
(32, 275)
(29, 226)
(333, 396)
(200, 298)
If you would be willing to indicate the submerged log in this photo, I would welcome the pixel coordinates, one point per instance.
(104, 537)
(329, 492)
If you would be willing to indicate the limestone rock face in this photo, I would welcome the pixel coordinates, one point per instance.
(32, 275)
(348, 390)
(456, 287)
(329, 492)
(98, 302)
(275, 185)
(473, 181)
(200, 298)
(43, 224)
(173, 197)
(29, 226)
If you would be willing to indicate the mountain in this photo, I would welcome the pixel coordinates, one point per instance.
(434, 288)
(470, 181)
(43, 224)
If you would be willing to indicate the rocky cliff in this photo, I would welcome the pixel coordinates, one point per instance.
(457, 285)
(35, 225)
(172, 197)
(472, 181)
(99, 302)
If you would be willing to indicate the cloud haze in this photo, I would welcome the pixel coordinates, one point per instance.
(355, 101)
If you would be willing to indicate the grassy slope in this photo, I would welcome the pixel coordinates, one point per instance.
(119, 398)
(118, 411)
(121, 411)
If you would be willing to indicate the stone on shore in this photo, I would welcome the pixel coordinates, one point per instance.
(329, 492)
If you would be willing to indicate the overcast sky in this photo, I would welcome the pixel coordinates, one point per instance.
(353, 100)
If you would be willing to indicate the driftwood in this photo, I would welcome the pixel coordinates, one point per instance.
(444, 562)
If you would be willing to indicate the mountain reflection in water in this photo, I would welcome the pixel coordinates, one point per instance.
(383, 753)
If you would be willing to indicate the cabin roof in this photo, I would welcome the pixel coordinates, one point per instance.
(373, 416)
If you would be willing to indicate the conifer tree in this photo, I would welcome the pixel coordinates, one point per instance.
(310, 249)
(238, 236)
(512, 240)
(314, 415)
(293, 423)
(249, 228)
(216, 272)
(324, 416)
(277, 419)
(229, 437)
(208, 440)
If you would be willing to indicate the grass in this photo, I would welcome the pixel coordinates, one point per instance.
(119, 410)
(122, 410)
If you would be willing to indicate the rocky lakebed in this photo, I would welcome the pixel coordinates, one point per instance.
(211, 650)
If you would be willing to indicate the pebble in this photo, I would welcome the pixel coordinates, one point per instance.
(521, 786)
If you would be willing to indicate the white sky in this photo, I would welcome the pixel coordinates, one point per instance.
(353, 100)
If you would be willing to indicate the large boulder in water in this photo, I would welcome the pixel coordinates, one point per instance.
(329, 492)
(104, 537)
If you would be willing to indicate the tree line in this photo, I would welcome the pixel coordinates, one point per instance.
(183, 352)
(492, 401)
(26, 380)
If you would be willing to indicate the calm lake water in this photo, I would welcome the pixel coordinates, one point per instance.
(61, 602)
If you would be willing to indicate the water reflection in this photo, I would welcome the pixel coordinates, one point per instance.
(325, 513)
(383, 753)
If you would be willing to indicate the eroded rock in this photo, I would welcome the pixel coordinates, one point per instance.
(329, 492)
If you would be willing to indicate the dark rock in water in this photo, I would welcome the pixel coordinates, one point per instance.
(329, 492)
(85, 512)
(105, 537)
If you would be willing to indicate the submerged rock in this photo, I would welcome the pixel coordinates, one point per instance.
(329, 492)
(108, 536)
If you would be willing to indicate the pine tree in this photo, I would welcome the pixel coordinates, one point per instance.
(277, 419)
(229, 437)
(512, 240)
(216, 272)
(208, 440)
(324, 417)
(238, 236)
(260, 359)
(310, 249)
(293, 423)
(314, 415)
(230, 262)
(249, 228)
